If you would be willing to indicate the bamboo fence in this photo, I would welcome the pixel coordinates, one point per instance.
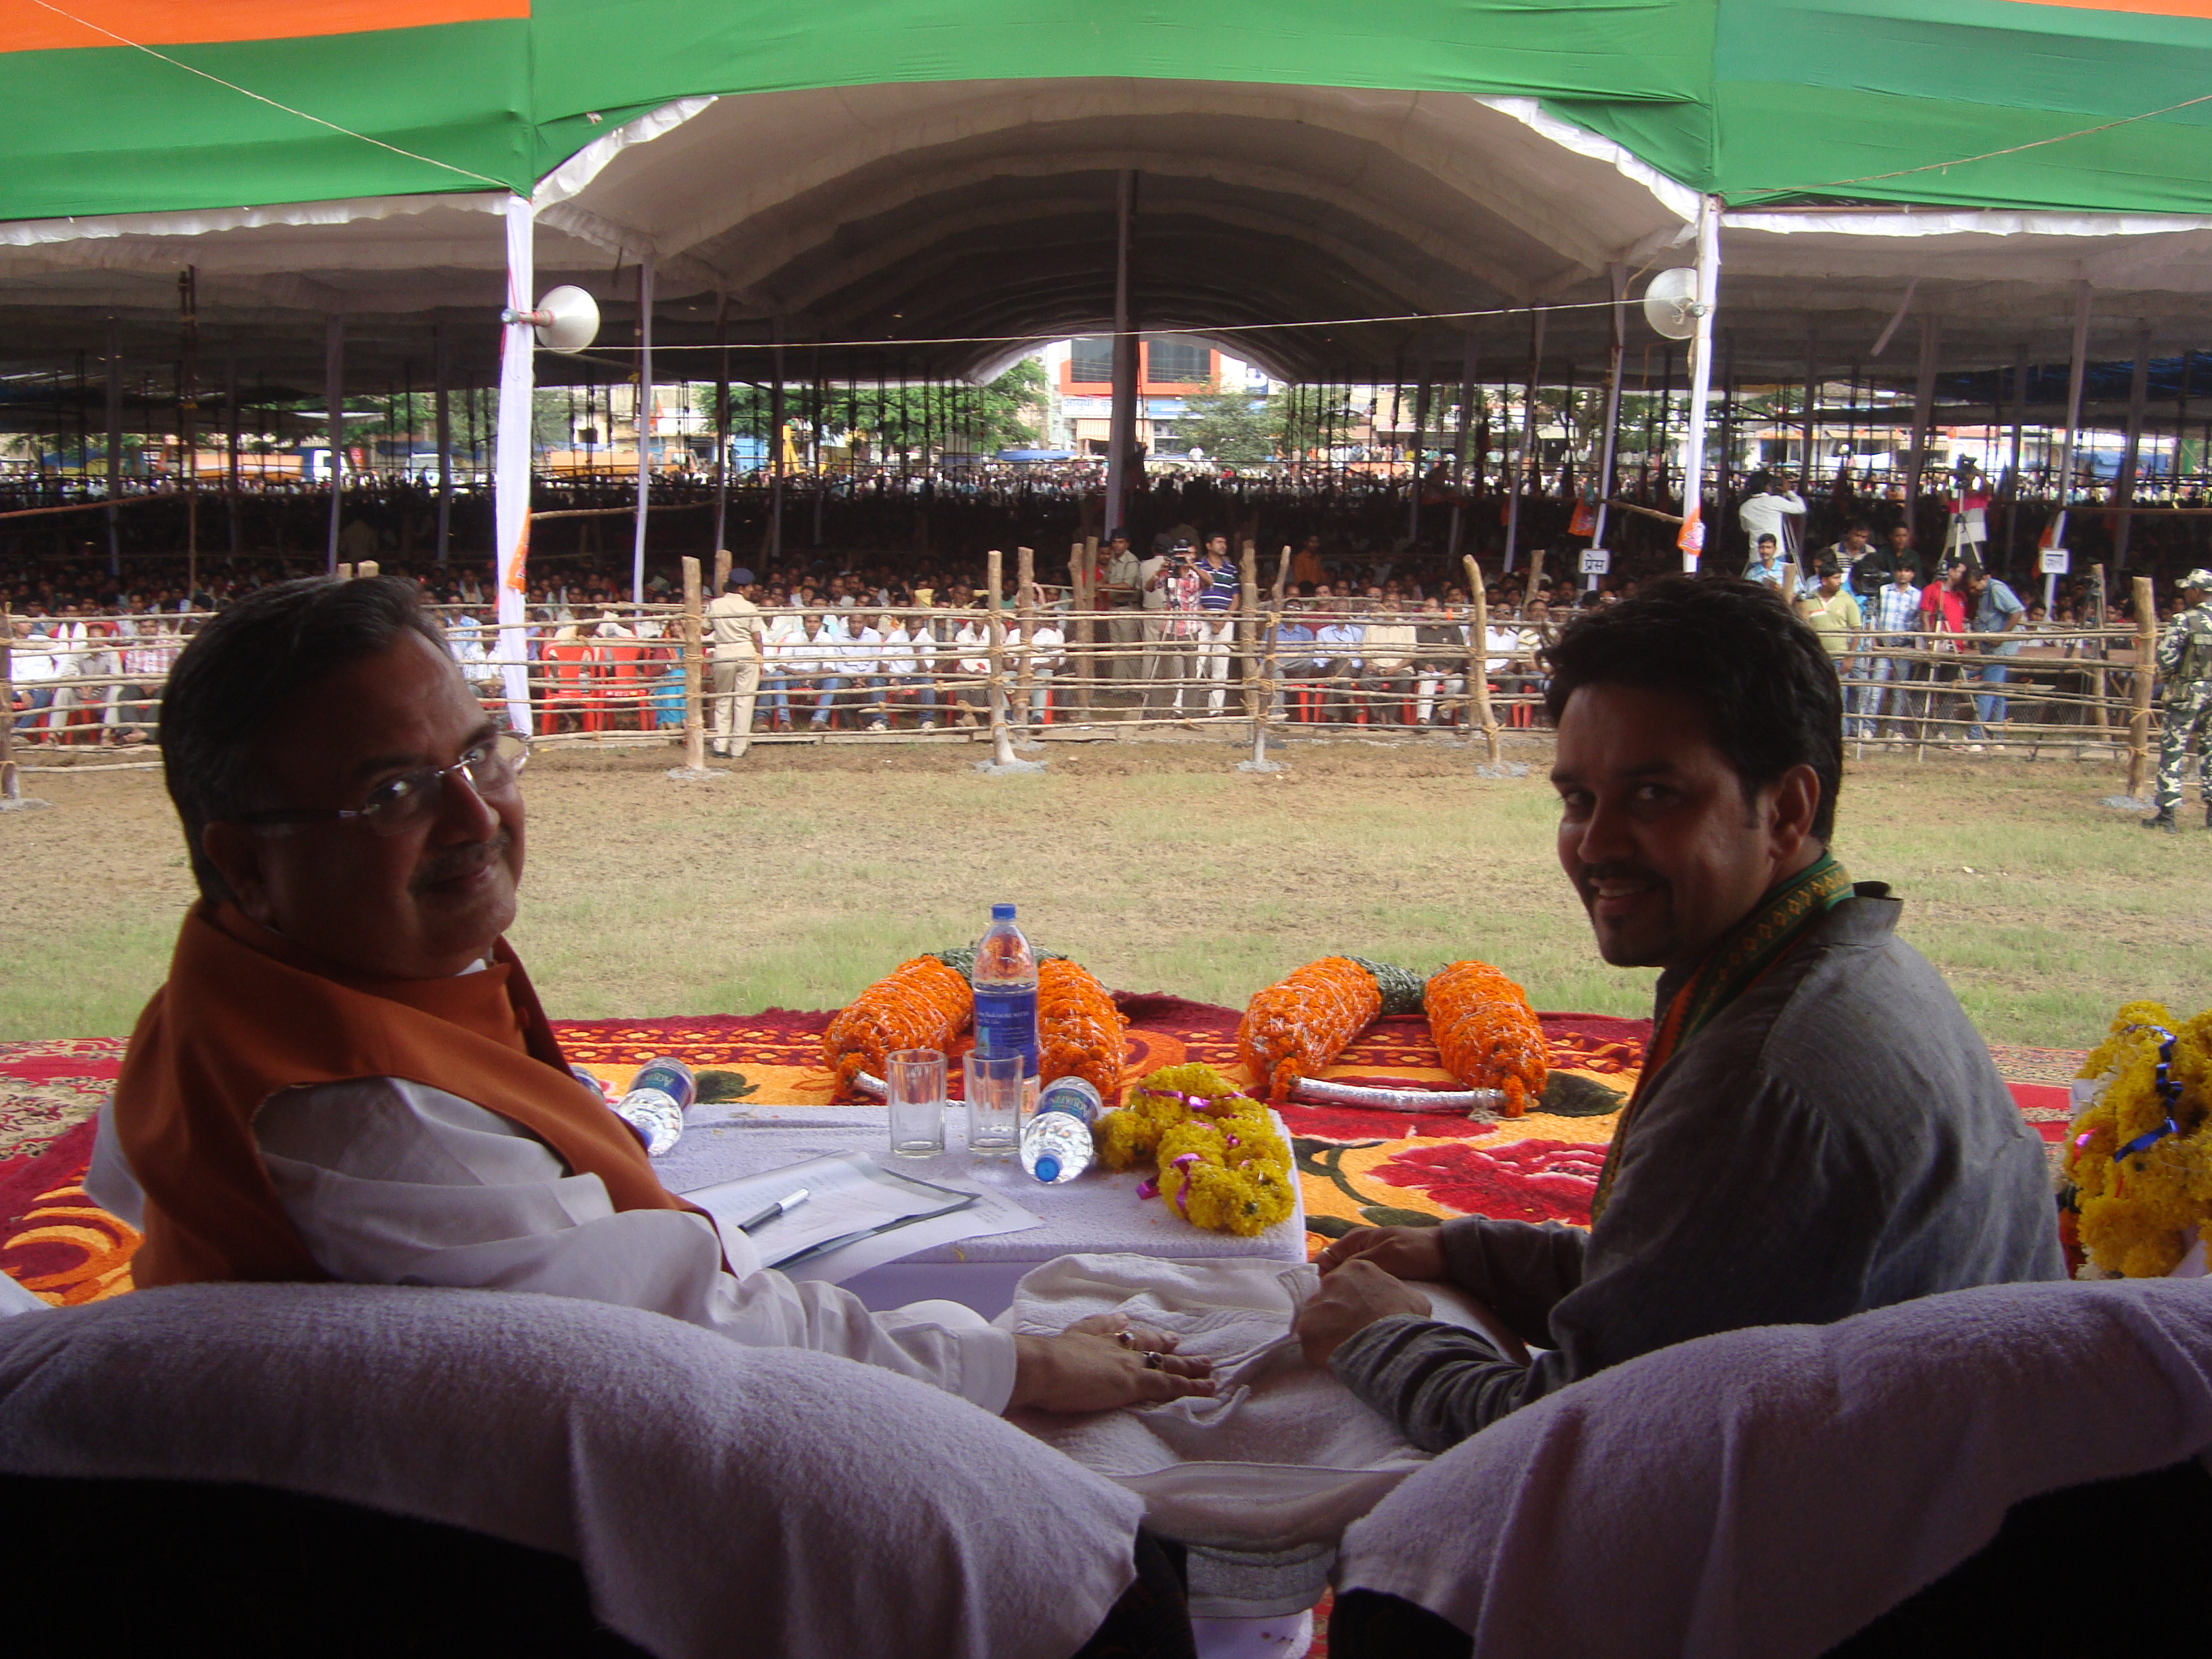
(638, 674)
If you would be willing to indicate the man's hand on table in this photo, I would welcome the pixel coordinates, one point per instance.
(1401, 1252)
(1101, 1362)
(1353, 1296)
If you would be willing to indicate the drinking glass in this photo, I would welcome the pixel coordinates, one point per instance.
(914, 1088)
(994, 1104)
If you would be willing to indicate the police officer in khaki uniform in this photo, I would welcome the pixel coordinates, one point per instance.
(735, 635)
(2185, 664)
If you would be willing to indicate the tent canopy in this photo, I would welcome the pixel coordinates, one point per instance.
(943, 172)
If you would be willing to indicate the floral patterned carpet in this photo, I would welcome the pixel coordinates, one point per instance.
(1358, 1167)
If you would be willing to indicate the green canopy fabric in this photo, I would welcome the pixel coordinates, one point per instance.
(138, 105)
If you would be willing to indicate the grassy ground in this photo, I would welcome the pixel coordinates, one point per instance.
(804, 874)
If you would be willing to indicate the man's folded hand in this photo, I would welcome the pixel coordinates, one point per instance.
(1401, 1252)
(1350, 1299)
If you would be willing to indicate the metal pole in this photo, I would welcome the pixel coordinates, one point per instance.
(510, 462)
(1467, 396)
(644, 425)
(2123, 493)
(1525, 465)
(188, 406)
(2076, 371)
(230, 402)
(442, 372)
(1420, 436)
(722, 426)
(1615, 351)
(334, 401)
(1692, 538)
(2012, 472)
(1121, 427)
(1923, 416)
(775, 450)
(114, 447)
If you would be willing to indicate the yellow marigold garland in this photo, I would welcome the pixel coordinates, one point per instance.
(2135, 1209)
(921, 1004)
(1079, 1031)
(1485, 1032)
(1222, 1166)
(1299, 1024)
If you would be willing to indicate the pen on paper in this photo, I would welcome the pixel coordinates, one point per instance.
(783, 1206)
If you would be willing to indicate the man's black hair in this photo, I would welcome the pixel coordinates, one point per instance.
(245, 666)
(1770, 694)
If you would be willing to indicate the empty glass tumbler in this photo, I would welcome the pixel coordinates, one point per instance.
(913, 1089)
(995, 1087)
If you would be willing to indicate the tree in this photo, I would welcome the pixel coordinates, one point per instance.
(1232, 426)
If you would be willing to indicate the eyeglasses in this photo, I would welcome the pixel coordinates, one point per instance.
(401, 803)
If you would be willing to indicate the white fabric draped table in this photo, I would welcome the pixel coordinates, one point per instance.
(1095, 1214)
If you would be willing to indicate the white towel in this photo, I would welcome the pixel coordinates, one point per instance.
(718, 1497)
(1282, 1455)
(1772, 1490)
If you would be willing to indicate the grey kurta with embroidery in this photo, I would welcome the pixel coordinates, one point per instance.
(1836, 1139)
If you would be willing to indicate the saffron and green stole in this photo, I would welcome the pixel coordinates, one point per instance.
(1738, 960)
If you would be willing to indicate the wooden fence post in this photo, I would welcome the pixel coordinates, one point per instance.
(10, 783)
(722, 569)
(1026, 617)
(2098, 688)
(2146, 672)
(1081, 572)
(695, 665)
(1002, 748)
(1478, 657)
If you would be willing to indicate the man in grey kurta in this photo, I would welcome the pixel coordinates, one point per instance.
(1837, 1139)
(1820, 1130)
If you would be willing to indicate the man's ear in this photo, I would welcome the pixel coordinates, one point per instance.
(1796, 802)
(236, 854)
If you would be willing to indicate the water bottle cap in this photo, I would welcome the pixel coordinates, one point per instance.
(1002, 912)
(1048, 1167)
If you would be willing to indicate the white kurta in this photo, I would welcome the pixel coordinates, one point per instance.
(392, 1182)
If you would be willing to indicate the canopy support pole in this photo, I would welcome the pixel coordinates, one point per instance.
(1616, 352)
(230, 444)
(2123, 493)
(188, 409)
(1924, 415)
(775, 449)
(518, 376)
(1466, 395)
(334, 401)
(2012, 471)
(2076, 371)
(114, 447)
(1691, 537)
(441, 369)
(1420, 443)
(1122, 429)
(1525, 466)
(644, 425)
(1812, 397)
(722, 432)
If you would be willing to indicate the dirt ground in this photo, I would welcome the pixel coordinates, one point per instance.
(801, 873)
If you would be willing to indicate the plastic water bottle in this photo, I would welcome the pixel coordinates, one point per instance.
(1005, 982)
(659, 1096)
(1056, 1144)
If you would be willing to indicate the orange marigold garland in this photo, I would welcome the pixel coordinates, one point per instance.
(1486, 1033)
(1300, 1024)
(921, 1004)
(1079, 1031)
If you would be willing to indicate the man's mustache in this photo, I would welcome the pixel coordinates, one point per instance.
(457, 861)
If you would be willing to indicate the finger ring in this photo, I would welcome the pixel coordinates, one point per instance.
(1153, 1362)
(1125, 1339)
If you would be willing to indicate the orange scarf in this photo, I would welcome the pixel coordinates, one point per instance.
(245, 1013)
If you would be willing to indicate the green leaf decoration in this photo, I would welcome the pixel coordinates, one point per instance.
(1385, 1215)
(1568, 1095)
(1402, 988)
(1329, 1226)
(716, 1087)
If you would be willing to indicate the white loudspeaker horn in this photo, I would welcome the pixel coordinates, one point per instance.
(567, 320)
(1671, 304)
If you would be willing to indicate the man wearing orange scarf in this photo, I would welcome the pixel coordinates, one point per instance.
(1817, 1129)
(348, 1075)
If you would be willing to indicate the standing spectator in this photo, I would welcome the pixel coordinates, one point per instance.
(1218, 602)
(1833, 614)
(1122, 593)
(1895, 613)
(1873, 569)
(1943, 611)
(739, 640)
(1181, 584)
(1153, 597)
(1997, 609)
(1774, 509)
(1766, 563)
(2184, 661)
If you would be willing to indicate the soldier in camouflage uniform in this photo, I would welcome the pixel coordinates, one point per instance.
(2185, 663)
